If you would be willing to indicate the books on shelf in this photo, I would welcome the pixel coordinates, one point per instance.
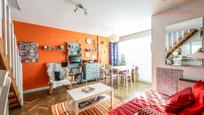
(90, 101)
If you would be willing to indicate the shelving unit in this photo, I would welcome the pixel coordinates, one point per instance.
(74, 59)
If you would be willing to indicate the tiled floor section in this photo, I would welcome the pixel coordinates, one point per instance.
(38, 103)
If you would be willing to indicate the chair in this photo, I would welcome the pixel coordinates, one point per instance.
(126, 76)
(65, 78)
(107, 75)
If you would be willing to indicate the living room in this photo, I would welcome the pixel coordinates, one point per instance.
(72, 57)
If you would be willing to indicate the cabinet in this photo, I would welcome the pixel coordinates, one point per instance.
(91, 71)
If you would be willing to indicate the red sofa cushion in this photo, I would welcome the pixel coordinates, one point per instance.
(177, 102)
(197, 108)
(199, 85)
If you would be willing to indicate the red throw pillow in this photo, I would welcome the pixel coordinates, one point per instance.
(177, 102)
(197, 108)
(199, 85)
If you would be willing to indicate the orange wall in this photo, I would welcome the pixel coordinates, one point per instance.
(34, 74)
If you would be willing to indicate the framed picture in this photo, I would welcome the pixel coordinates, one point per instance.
(28, 51)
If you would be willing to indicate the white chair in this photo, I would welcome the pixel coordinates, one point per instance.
(65, 78)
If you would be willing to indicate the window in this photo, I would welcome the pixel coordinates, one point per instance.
(138, 52)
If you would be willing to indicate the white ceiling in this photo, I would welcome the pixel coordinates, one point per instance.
(124, 16)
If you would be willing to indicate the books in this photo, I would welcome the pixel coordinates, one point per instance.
(90, 101)
(88, 89)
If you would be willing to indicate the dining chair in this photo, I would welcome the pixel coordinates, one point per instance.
(126, 77)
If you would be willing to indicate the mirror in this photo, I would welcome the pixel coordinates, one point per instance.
(182, 40)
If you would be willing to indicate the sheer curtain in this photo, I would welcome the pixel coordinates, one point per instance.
(138, 52)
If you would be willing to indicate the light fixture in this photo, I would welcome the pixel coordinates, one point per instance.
(199, 54)
(76, 9)
(80, 6)
(114, 38)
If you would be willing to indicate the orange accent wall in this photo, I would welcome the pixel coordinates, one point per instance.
(34, 74)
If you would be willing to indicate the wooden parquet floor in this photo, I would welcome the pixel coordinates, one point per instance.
(38, 103)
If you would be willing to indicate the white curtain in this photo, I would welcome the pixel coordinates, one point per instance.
(138, 52)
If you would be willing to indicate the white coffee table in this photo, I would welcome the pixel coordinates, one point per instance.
(77, 96)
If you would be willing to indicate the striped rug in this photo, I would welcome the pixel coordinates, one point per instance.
(100, 109)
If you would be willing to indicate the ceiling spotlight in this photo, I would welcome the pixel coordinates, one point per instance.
(85, 13)
(80, 6)
(76, 9)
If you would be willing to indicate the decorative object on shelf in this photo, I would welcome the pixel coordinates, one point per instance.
(28, 51)
(87, 54)
(58, 48)
(87, 49)
(88, 40)
(199, 54)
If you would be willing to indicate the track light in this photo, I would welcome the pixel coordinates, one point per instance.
(76, 9)
(85, 13)
(80, 6)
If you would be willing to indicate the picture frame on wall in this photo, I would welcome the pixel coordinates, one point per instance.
(28, 51)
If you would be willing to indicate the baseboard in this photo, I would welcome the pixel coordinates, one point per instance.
(144, 81)
(35, 90)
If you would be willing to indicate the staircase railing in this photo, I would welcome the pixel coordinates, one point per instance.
(5, 83)
(10, 58)
(177, 39)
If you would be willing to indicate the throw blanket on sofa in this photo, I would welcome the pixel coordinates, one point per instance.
(152, 103)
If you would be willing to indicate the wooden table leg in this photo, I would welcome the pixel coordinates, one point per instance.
(112, 98)
(76, 108)
(118, 79)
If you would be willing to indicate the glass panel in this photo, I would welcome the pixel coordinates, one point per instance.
(186, 39)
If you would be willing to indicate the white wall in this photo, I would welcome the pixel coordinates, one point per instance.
(159, 21)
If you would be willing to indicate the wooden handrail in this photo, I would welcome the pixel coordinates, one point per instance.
(187, 36)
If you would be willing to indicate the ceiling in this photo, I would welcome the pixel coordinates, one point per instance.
(104, 16)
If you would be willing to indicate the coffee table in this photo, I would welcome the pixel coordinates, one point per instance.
(77, 95)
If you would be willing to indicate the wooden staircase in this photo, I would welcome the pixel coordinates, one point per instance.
(182, 40)
(10, 59)
(14, 95)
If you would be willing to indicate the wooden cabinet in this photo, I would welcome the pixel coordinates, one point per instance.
(91, 71)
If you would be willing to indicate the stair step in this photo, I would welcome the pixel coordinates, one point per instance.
(14, 105)
(13, 100)
(11, 95)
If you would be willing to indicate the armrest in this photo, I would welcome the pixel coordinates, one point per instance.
(50, 78)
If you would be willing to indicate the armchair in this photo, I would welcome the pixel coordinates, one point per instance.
(64, 77)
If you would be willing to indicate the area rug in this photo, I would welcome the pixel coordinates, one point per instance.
(100, 109)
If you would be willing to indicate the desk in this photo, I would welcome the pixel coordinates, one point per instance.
(119, 69)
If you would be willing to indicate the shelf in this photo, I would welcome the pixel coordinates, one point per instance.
(74, 55)
(107, 97)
